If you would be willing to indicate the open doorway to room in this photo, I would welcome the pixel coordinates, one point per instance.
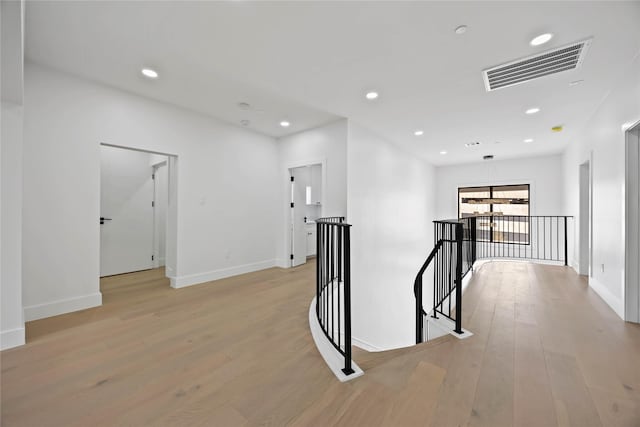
(137, 220)
(632, 225)
(584, 230)
(306, 207)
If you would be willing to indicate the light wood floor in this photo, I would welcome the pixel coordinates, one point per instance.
(546, 351)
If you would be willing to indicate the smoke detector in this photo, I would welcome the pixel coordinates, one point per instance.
(543, 64)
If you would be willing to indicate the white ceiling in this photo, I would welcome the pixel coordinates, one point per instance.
(312, 62)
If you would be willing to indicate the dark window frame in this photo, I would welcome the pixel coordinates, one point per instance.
(491, 189)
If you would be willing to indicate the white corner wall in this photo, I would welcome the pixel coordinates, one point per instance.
(327, 145)
(228, 190)
(12, 331)
(391, 195)
(11, 314)
(603, 141)
(543, 174)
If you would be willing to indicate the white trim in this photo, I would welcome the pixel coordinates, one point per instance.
(283, 263)
(446, 326)
(616, 304)
(365, 345)
(55, 308)
(12, 338)
(195, 279)
(333, 359)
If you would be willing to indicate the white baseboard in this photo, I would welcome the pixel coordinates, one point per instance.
(365, 345)
(12, 338)
(283, 263)
(54, 308)
(616, 304)
(194, 279)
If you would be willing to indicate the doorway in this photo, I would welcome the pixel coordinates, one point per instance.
(137, 211)
(306, 207)
(632, 225)
(584, 231)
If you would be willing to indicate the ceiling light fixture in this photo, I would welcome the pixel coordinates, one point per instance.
(418, 133)
(532, 110)
(443, 152)
(371, 95)
(285, 124)
(461, 29)
(541, 39)
(528, 140)
(148, 72)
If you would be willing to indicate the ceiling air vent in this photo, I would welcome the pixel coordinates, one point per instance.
(554, 61)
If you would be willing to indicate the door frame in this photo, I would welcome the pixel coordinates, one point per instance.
(585, 216)
(154, 171)
(632, 224)
(171, 236)
(288, 216)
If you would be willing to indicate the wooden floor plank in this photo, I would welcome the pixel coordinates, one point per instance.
(238, 352)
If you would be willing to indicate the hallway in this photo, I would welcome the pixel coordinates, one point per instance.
(546, 351)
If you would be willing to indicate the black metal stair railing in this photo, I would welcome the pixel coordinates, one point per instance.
(460, 243)
(333, 284)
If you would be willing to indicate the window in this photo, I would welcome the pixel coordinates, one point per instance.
(504, 210)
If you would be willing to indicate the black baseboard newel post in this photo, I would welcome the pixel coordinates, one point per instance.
(419, 319)
(347, 303)
(459, 240)
(473, 237)
(566, 251)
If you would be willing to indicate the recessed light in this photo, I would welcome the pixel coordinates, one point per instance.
(541, 39)
(418, 133)
(148, 72)
(371, 95)
(461, 29)
(575, 82)
(443, 152)
(285, 124)
(532, 110)
(528, 140)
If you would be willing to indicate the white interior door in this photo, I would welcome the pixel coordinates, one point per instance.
(632, 232)
(126, 195)
(299, 235)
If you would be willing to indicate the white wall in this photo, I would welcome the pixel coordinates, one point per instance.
(391, 195)
(326, 145)
(12, 321)
(603, 140)
(544, 174)
(11, 135)
(224, 175)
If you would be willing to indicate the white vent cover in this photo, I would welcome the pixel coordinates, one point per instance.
(554, 61)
